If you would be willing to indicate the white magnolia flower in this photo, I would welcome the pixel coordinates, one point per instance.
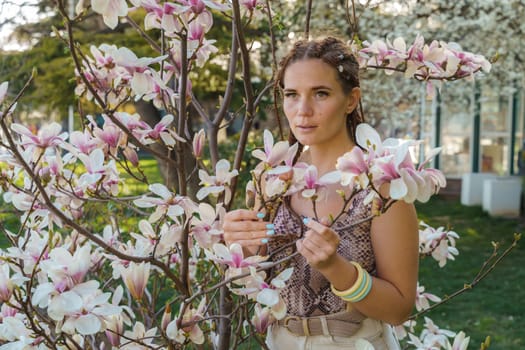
(110, 10)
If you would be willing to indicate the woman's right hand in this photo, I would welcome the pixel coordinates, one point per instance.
(244, 227)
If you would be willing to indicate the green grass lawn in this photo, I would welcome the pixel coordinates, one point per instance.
(495, 306)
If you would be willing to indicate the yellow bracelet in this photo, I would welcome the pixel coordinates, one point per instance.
(355, 286)
(363, 292)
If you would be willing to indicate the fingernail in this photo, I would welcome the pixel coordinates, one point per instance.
(269, 226)
(264, 240)
(260, 215)
(270, 232)
(306, 221)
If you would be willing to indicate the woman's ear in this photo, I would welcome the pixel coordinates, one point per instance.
(353, 99)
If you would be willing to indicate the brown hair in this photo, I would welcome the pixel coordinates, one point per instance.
(333, 52)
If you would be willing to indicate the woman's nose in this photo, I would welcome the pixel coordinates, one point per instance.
(305, 106)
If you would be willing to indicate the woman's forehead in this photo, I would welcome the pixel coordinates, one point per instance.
(309, 73)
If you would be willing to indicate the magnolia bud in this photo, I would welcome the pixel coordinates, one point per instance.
(198, 143)
(250, 194)
(166, 317)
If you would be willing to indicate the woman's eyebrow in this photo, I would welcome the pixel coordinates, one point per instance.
(316, 87)
(321, 87)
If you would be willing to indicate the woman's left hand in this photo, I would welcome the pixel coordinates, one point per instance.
(319, 245)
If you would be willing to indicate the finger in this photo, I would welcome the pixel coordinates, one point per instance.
(325, 221)
(315, 225)
(246, 225)
(319, 246)
(243, 214)
(253, 242)
(324, 231)
(305, 249)
(245, 235)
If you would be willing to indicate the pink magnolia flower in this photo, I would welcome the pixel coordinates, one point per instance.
(144, 338)
(135, 276)
(164, 241)
(437, 60)
(110, 10)
(66, 269)
(250, 5)
(3, 91)
(205, 50)
(166, 317)
(233, 257)
(15, 333)
(48, 136)
(8, 282)
(384, 54)
(111, 136)
(6, 285)
(354, 168)
(219, 183)
(131, 155)
(169, 203)
(207, 227)
(422, 344)
(422, 298)
(114, 329)
(272, 154)
(434, 335)
(198, 6)
(136, 66)
(288, 160)
(264, 293)
(7, 311)
(160, 131)
(460, 342)
(315, 187)
(198, 143)
(402, 330)
(115, 323)
(31, 248)
(287, 179)
(20, 200)
(82, 309)
(83, 141)
(439, 243)
(432, 179)
(192, 331)
(262, 318)
(95, 167)
(163, 17)
(132, 122)
(390, 162)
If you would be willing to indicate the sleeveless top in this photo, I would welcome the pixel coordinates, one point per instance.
(307, 292)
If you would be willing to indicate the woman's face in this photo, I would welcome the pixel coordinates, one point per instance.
(315, 104)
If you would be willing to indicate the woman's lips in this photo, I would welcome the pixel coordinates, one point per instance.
(306, 127)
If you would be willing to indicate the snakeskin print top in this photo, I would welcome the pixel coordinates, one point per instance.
(307, 292)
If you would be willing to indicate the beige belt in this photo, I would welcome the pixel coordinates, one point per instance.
(342, 324)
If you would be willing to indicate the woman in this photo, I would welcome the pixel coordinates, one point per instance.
(354, 276)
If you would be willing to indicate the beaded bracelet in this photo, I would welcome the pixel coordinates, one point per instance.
(359, 290)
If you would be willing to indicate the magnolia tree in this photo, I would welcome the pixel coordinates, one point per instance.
(156, 273)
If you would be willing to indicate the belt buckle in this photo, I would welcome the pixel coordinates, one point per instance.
(288, 319)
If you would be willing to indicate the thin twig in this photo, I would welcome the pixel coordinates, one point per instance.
(484, 271)
(307, 22)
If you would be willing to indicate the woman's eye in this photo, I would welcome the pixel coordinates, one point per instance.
(290, 94)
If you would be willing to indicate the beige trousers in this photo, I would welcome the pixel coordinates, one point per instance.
(379, 334)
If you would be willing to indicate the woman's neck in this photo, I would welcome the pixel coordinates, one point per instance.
(325, 158)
